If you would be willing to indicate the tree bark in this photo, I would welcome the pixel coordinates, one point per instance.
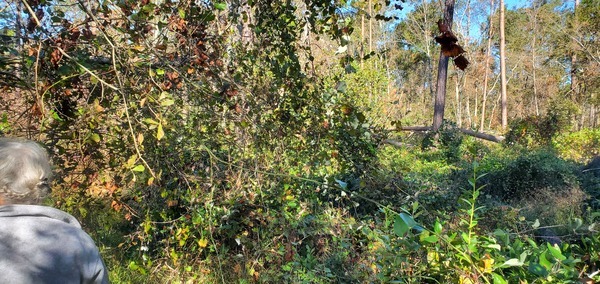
(440, 95)
(503, 68)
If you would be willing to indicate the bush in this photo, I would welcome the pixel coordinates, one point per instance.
(529, 174)
(578, 146)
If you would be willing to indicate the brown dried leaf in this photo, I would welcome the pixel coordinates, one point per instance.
(461, 62)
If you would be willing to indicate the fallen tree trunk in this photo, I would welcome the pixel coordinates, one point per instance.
(480, 135)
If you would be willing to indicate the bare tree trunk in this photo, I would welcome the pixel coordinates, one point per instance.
(362, 39)
(487, 64)
(19, 36)
(503, 68)
(535, 96)
(370, 27)
(574, 82)
(440, 96)
(458, 104)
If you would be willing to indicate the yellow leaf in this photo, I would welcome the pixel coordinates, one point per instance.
(203, 243)
(160, 133)
(487, 265)
(98, 107)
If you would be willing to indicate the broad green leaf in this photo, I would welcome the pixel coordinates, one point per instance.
(555, 251)
(410, 222)
(160, 71)
(498, 279)
(400, 227)
(545, 262)
(138, 168)
(437, 228)
(431, 239)
(536, 224)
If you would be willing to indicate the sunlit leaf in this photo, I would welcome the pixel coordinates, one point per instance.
(220, 6)
(437, 228)
(545, 262)
(512, 262)
(95, 137)
(498, 279)
(431, 239)
(160, 133)
(138, 168)
(536, 224)
(341, 49)
(167, 102)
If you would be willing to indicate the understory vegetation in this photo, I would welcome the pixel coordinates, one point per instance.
(484, 213)
(263, 141)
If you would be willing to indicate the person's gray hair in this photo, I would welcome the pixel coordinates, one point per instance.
(24, 172)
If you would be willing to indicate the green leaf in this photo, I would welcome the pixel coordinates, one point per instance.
(167, 102)
(181, 13)
(410, 222)
(220, 6)
(160, 71)
(494, 246)
(131, 161)
(555, 251)
(437, 228)
(138, 168)
(498, 279)
(150, 121)
(400, 227)
(537, 269)
(431, 239)
(545, 262)
(402, 223)
(95, 137)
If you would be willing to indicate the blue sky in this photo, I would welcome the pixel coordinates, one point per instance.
(474, 31)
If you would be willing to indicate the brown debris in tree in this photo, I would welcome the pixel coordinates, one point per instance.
(450, 48)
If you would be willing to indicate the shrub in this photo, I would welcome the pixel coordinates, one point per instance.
(528, 174)
(578, 146)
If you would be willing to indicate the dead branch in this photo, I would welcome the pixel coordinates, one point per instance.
(480, 135)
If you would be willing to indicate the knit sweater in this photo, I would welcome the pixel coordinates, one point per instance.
(40, 244)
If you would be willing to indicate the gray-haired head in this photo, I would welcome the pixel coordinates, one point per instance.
(24, 172)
